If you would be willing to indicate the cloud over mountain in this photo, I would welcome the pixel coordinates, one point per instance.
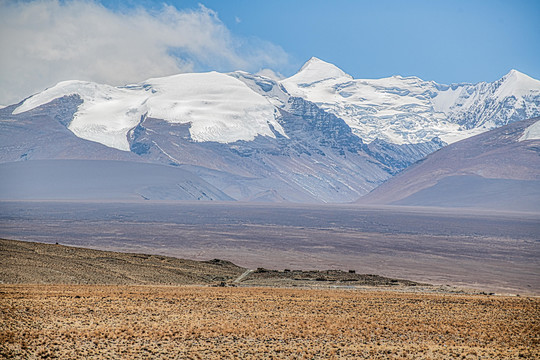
(44, 42)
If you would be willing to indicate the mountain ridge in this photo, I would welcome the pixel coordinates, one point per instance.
(396, 109)
(253, 137)
(408, 110)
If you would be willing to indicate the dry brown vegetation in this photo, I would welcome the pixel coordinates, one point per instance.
(35, 263)
(327, 278)
(159, 322)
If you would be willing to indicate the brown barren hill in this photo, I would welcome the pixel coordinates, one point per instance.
(35, 263)
(497, 169)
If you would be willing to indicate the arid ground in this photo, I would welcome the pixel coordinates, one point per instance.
(25, 262)
(491, 251)
(194, 322)
(230, 312)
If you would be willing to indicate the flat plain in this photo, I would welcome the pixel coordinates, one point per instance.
(491, 251)
(194, 322)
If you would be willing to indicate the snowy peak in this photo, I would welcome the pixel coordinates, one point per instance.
(217, 107)
(409, 110)
(316, 70)
(516, 74)
(517, 84)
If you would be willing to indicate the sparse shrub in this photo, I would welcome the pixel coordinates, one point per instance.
(78, 322)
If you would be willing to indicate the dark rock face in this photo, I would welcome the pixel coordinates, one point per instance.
(399, 157)
(305, 118)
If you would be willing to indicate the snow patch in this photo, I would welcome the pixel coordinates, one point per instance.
(219, 107)
(445, 99)
(532, 132)
(106, 114)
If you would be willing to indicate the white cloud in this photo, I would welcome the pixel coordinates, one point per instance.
(46, 41)
(269, 73)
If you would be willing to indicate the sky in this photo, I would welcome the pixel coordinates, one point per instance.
(118, 42)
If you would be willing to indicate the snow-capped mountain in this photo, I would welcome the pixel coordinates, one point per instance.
(319, 135)
(218, 108)
(408, 110)
(313, 158)
(240, 106)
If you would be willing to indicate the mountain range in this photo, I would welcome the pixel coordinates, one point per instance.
(317, 136)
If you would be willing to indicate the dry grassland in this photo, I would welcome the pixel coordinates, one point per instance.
(25, 262)
(158, 322)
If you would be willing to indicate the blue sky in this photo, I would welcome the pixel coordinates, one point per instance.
(118, 42)
(447, 41)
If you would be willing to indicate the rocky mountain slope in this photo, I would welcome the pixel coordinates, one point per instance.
(318, 136)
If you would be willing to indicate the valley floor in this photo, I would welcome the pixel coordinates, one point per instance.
(195, 322)
(488, 251)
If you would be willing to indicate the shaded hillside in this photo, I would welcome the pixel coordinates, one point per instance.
(493, 170)
(102, 180)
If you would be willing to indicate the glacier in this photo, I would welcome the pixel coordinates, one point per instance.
(218, 107)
